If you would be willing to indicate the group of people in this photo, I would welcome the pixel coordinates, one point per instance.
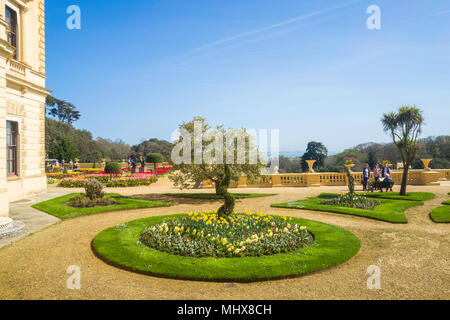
(380, 173)
(62, 165)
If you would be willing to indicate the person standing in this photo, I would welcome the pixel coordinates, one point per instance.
(365, 176)
(377, 172)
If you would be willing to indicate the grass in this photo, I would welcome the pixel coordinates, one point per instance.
(446, 202)
(410, 196)
(119, 246)
(389, 210)
(57, 207)
(441, 214)
(215, 196)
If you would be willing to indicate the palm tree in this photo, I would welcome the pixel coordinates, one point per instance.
(405, 126)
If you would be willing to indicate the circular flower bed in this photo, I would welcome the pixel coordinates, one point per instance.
(120, 246)
(243, 235)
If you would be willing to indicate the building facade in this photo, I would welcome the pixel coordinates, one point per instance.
(22, 100)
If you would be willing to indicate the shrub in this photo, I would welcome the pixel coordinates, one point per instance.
(113, 168)
(94, 189)
(155, 158)
(82, 201)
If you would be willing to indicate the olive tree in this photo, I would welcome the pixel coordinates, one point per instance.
(217, 154)
(405, 126)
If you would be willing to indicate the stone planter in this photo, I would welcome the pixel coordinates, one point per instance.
(426, 164)
(311, 165)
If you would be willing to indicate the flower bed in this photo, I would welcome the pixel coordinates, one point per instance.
(352, 201)
(111, 181)
(120, 247)
(243, 235)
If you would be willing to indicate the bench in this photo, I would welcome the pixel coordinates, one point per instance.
(380, 185)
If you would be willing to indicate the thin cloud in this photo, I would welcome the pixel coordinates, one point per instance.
(267, 28)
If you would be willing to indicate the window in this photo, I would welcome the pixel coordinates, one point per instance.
(13, 27)
(11, 148)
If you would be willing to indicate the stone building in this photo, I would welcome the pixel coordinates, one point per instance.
(22, 100)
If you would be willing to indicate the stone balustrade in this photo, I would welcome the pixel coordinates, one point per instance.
(415, 177)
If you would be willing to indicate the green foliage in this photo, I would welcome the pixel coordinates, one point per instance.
(221, 174)
(113, 167)
(57, 207)
(89, 150)
(118, 246)
(155, 158)
(62, 110)
(289, 165)
(351, 182)
(372, 159)
(436, 148)
(94, 189)
(62, 149)
(389, 210)
(315, 151)
(154, 146)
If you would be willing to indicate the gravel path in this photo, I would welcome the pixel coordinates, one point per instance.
(414, 258)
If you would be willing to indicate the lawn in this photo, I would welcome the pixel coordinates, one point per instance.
(410, 196)
(57, 207)
(446, 202)
(389, 210)
(119, 246)
(215, 196)
(441, 214)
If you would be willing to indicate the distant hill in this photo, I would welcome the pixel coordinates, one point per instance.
(436, 148)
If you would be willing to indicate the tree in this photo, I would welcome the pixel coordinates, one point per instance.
(211, 161)
(372, 159)
(63, 149)
(155, 158)
(315, 151)
(62, 110)
(154, 146)
(405, 126)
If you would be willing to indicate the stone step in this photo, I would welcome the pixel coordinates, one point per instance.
(5, 224)
(10, 228)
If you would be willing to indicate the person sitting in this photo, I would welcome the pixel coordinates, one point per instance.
(386, 171)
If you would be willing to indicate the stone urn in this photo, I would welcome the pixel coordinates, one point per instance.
(311, 165)
(275, 170)
(426, 164)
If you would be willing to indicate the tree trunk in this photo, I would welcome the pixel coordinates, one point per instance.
(222, 190)
(404, 179)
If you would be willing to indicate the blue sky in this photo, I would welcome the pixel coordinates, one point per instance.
(312, 69)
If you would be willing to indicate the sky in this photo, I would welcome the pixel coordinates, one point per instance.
(312, 69)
